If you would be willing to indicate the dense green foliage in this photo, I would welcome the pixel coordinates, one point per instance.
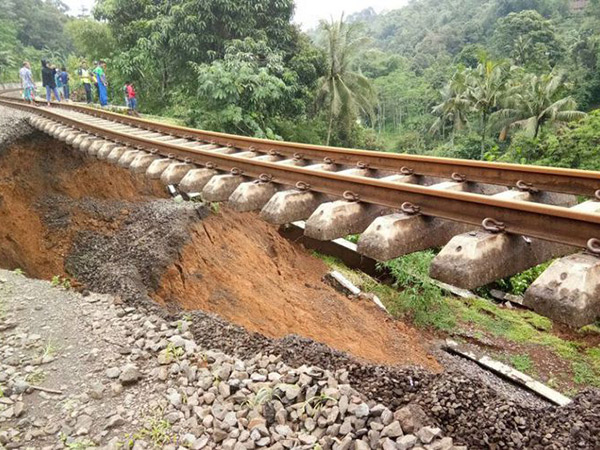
(30, 29)
(492, 79)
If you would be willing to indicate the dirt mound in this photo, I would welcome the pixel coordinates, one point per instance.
(101, 224)
(239, 267)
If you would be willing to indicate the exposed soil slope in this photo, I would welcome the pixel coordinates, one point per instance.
(64, 214)
(38, 177)
(241, 268)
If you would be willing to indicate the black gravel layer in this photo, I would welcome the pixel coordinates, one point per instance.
(14, 124)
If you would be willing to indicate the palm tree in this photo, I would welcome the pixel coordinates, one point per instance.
(345, 93)
(534, 103)
(487, 85)
(454, 107)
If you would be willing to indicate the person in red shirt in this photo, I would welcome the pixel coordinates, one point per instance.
(131, 99)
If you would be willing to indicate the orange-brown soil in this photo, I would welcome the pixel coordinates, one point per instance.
(32, 171)
(241, 268)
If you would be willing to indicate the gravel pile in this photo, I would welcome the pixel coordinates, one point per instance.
(130, 262)
(100, 374)
(13, 125)
(466, 408)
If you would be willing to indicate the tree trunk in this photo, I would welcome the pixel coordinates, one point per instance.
(484, 121)
(330, 123)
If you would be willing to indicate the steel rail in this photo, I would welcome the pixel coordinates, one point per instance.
(569, 181)
(552, 223)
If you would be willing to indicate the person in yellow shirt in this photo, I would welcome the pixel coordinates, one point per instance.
(86, 79)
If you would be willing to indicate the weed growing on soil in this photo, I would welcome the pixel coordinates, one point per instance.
(173, 353)
(49, 350)
(156, 430)
(264, 395)
(215, 207)
(522, 363)
(58, 281)
(36, 377)
(78, 445)
(313, 405)
(19, 271)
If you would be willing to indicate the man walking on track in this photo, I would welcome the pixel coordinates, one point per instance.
(86, 80)
(27, 82)
(100, 76)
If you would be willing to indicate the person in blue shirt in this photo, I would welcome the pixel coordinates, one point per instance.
(57, 80)
(64, 80)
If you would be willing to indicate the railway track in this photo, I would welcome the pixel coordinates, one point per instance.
(400, 203)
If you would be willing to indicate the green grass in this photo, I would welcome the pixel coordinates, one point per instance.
(522, 363)
(415, 298)
(519, 283)
(413, 295)
(157, 430)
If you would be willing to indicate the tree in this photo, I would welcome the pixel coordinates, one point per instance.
(486, 87)
(245, 91)
(528, 39)
(575, 146)
(165, 36)
(345, 94)
(40, 24)
(545, 7)
(537, 101)
(455, 105)
(91, 38)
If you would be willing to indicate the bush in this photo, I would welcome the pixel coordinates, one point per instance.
(576, 146)
(466, 146)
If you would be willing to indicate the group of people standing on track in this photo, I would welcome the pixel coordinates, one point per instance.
(56, 83)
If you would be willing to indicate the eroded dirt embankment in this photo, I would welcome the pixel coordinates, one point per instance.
(63, 214)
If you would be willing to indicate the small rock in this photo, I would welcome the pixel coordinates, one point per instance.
(428, 434)
(393, 430)
(114, 421)
(96, 391)
(18, 409)
(113, 372)
(411, 418)
(129, 374)
(362, 410)
(406, 442)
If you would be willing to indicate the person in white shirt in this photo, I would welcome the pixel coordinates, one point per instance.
(27, 82)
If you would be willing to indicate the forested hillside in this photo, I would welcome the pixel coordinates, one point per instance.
(515, 80)
(540, 59)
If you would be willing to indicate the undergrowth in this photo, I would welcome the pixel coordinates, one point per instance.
(415, 297)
